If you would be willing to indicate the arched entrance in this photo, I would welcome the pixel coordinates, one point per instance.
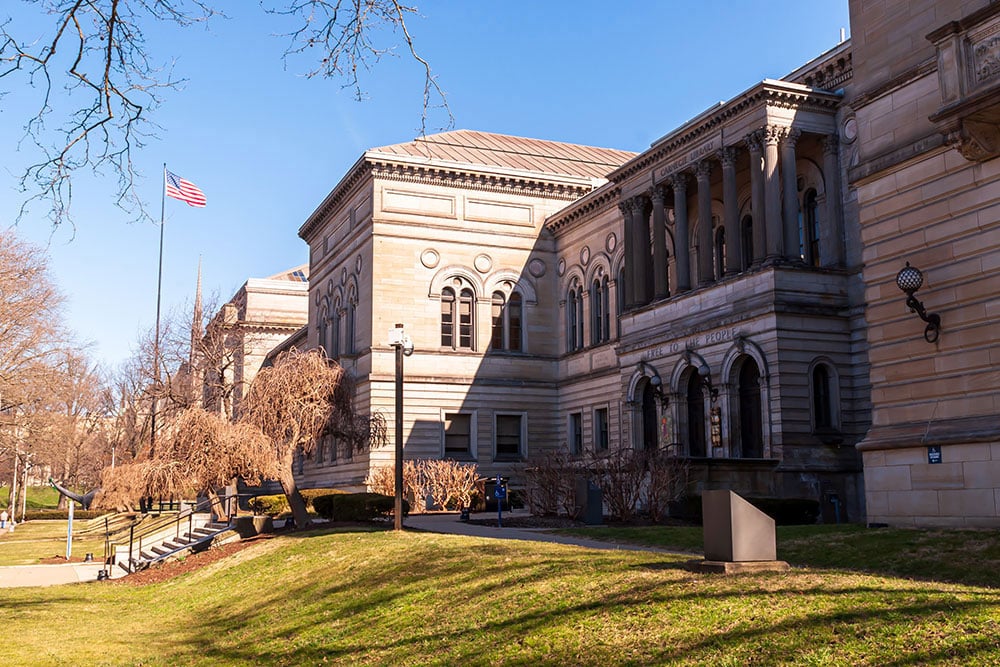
(649, 418)
(695, 415)
(751, 426)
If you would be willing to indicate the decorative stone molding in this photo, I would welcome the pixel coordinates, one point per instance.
(679, 183)
(703, 171)
(483, 263)
(753, 142)
(728, 155)
(830, 143)
(585, 255)
(611, 242)
(430, 258)
(537, 268)
(968, 67)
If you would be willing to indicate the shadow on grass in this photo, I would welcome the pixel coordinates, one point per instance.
(477, 609)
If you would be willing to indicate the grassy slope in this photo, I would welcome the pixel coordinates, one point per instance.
(34, 540)
(412, 598)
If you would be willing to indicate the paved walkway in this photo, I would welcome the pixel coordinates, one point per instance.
(16, 576)
(449, 523)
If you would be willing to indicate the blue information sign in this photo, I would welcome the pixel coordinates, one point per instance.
(934, 453)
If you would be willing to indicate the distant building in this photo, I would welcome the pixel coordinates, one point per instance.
(262, 314)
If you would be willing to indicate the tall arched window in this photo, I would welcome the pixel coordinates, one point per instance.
(600, 325)
(574, 314)
(746, 236)
(507, 315)
(809, 228)
(822, 398)
(456, 319)
(619, 300)
(352, 307)
(324, 328)
(334, 350)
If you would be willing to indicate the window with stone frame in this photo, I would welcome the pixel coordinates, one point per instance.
(323, 331)
(457, 430)
(822, 398)
(457, 318)
(809, 232)
(600, 317)
(619, 301)
(600, 429)
(334, 350)
(574, 319)
(351, 316)
(508, 436)
(746, 238)
(719, 250)
(507, 321)
(575, 428)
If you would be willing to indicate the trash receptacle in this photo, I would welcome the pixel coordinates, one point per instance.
(589, 502)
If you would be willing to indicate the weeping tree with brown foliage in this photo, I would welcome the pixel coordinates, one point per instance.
(293, 403)
(200, 452)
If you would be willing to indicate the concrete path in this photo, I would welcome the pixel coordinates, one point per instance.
(450, 524)
(16, 576)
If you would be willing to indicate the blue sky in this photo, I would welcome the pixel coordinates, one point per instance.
(266, 144)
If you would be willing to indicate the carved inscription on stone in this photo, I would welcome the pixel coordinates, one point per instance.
(986, 59)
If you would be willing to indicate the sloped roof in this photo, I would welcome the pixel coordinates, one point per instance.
(510, 152)
(297, 274)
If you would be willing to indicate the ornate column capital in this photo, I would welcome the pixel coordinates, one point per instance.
(792, 135)
(772, 134)
(657, 195)
(753, 142)
(623, 206)
(703, 170)
(727, 156)
(679, 182)
(830, 144)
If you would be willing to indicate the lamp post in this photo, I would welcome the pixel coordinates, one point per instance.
(404, 347)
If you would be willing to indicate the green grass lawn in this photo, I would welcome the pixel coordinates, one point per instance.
(382, 598)
(35, 540)
(967, 557)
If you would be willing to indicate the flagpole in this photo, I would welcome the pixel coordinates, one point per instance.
(156, 337)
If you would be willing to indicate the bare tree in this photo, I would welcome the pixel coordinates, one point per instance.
(98, 83)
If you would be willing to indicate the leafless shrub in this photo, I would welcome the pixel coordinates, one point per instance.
(620, 475)
(448, 483)
(667, 482)
(551, 484)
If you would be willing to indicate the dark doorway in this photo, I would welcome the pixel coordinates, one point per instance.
(695, 415)
(751, 427)
(649, 439)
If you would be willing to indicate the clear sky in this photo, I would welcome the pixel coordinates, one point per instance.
(266, 144)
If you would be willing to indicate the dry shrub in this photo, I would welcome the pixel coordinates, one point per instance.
(620, 475)
(667, 482)
(550, 480)
(449, 483)
(381, 479)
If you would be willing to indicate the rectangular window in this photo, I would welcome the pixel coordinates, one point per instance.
(507, 435)
(457, 435)
(465, 320)
(576, 433)
(601, 429)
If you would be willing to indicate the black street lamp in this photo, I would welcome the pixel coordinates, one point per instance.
(404, 347)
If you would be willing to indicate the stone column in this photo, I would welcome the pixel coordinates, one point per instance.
(832, 243)
(706, 274)
(734, 240)
(641, 255)
(790, 194)
(757, 195)
(682, 241)
(772, 194)
(627, 255)
(661, 288)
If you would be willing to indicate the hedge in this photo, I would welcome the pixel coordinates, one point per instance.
(269, 505)
(356, 506)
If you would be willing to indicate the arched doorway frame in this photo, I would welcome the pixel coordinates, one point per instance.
(744, 346)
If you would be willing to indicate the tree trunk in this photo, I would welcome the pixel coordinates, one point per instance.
(215, 503)
(291, 489)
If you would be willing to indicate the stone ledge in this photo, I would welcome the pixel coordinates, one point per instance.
(734, 567)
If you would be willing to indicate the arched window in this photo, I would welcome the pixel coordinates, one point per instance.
(600, 325)
(809, 228)
(619, 300)
(352, 307)
(334, 350)
(822, 398)
(720, 252)
(324, 328)
(746, 236)
(574, 314)
(456, 319)
(507, 317)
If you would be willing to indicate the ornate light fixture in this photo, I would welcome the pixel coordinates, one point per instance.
(909, 279)
(706, 374)
(656, 382)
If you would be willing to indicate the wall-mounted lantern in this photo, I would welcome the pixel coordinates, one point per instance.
(706, 374)
(656, 382)
(909, 279)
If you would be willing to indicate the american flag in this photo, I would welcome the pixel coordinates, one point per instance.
(186, 191)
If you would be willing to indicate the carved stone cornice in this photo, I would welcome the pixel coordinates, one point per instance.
(472, 178)
(768, 93)
(596, 202)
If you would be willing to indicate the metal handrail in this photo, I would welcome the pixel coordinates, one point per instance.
(147, 528)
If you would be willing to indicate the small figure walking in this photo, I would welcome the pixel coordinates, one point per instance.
(3, 519)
